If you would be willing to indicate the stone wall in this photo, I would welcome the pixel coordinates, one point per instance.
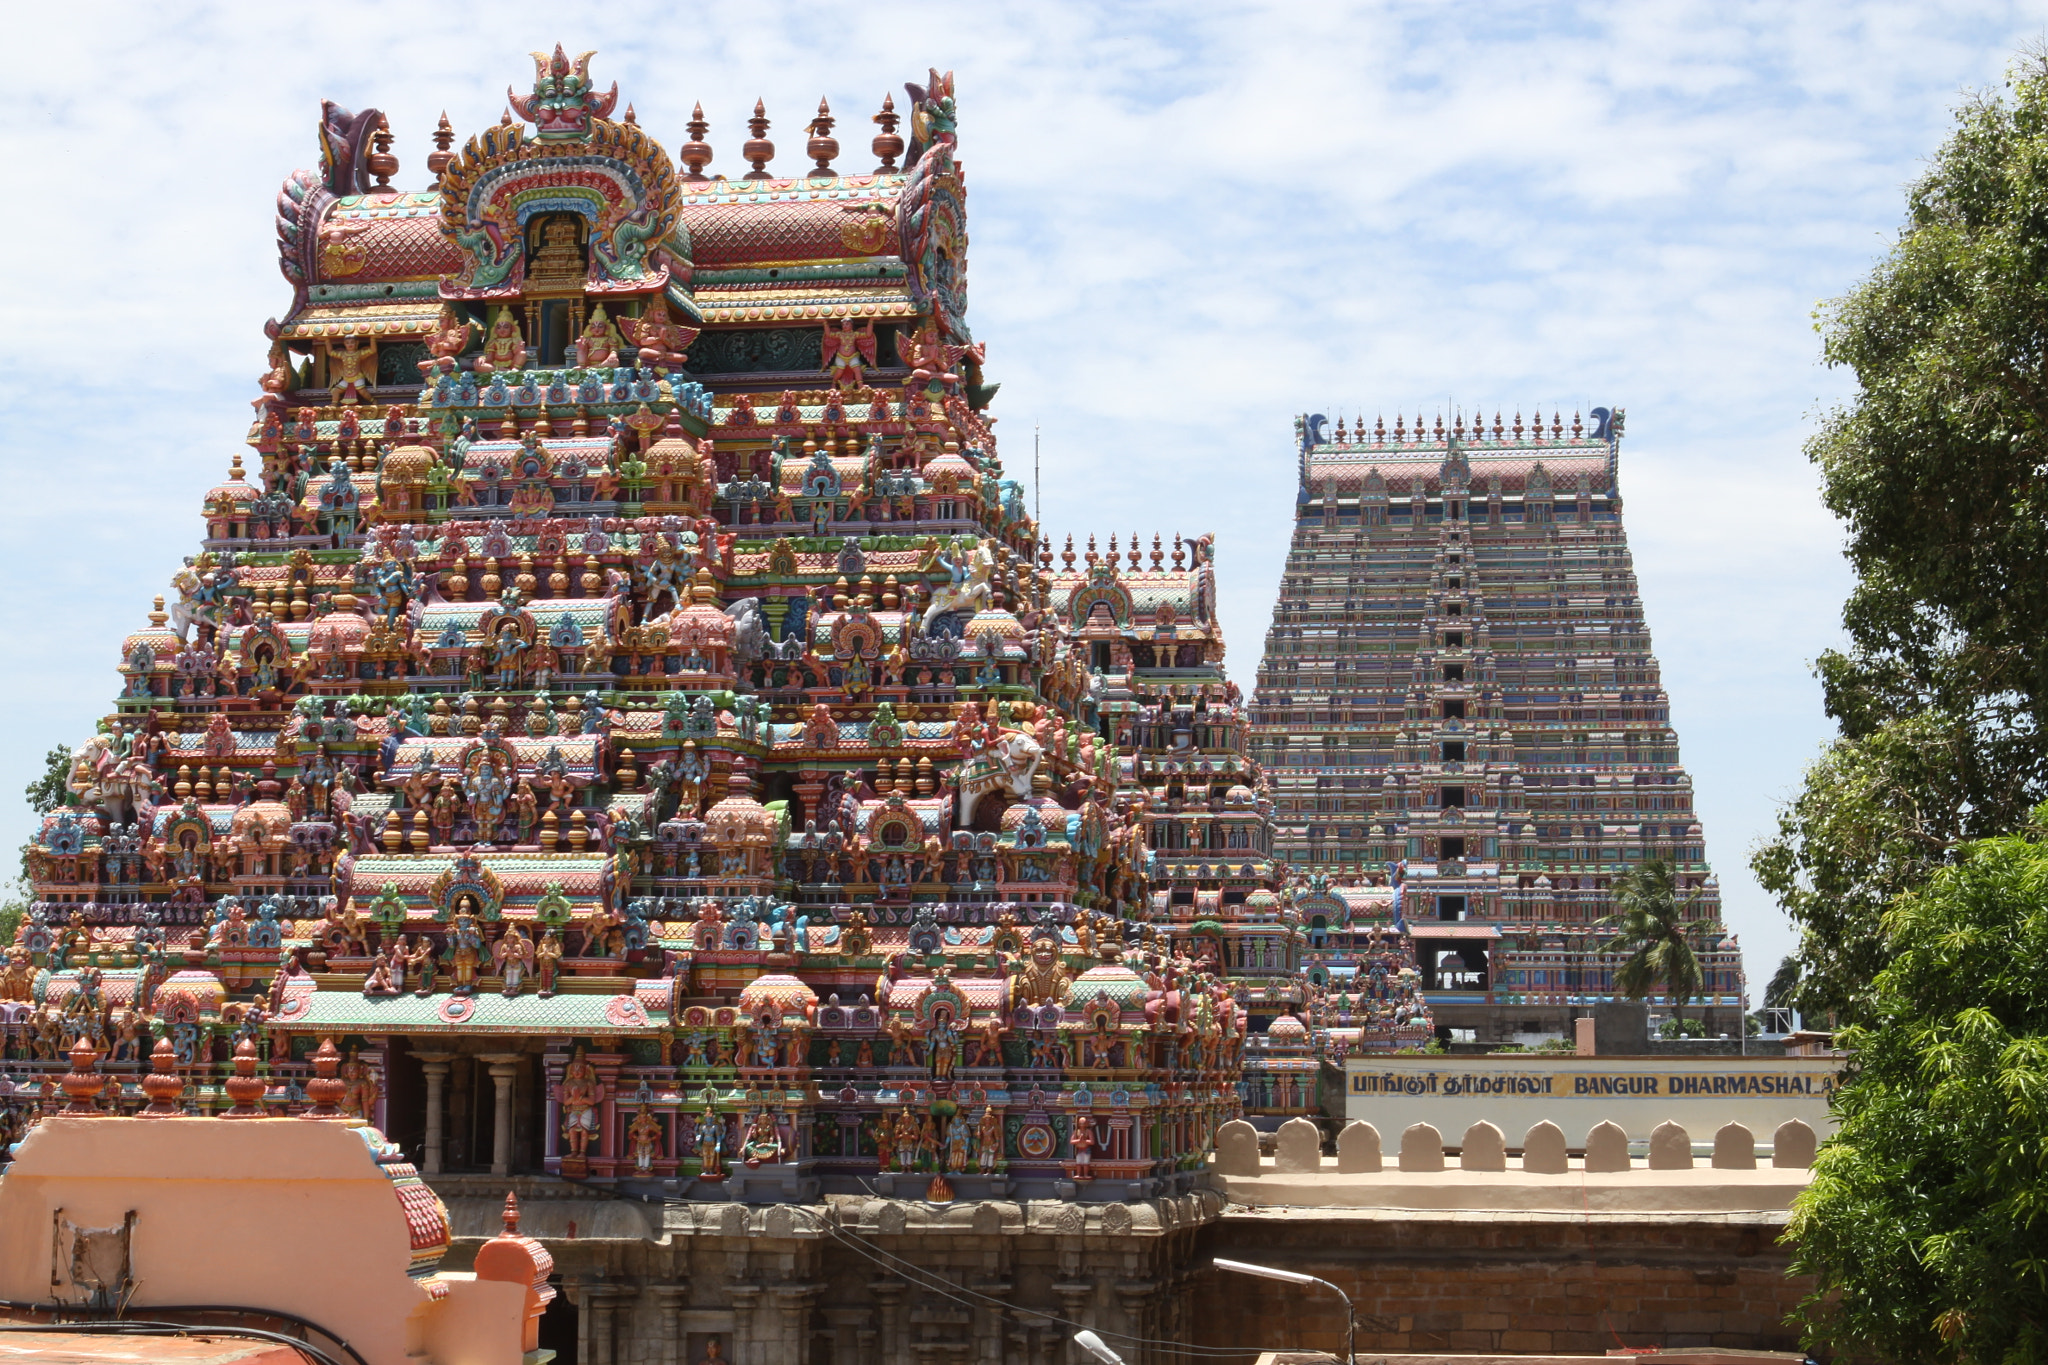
(1499, 1282)
(853, 1281)
(858, 1280)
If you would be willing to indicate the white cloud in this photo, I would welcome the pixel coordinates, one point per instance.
(1190, 222)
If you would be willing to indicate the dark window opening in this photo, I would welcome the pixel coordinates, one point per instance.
(1454, 797)
(1454, 672)
(1453, 846)
(1454, 639)
(1100, 655)
(1454, 609)
(1450, 907)
(1454, 710)
(1454, 751)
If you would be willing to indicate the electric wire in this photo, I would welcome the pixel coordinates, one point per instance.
(904, 1269)
(240, 1310)
(137, 1328)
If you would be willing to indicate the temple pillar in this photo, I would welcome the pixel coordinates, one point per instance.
(888, 1292)
(1138, 1299)
(989, 1322)
(670, 1299)
(595, 1305)
(1074, 1296)
(749, 1339)
(851, 1327)
(504, 1071)
(435, 1065)
(794, 1320)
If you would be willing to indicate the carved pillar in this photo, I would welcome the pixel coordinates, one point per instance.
(793, 1322)
(810, 790)
(1074, 1296)
(435, 1064)
(894, 1342)
(990, 1322)
(504, 1070)
(1137, 1298)
(750, 1344)
(600, 1329)
(852, 1329)
(670, 1300)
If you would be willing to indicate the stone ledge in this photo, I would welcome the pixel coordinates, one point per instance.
(1652, 1193)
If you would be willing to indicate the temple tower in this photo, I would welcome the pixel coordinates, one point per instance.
(1459, 701)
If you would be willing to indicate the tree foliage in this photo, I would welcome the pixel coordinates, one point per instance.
(1779, 989)
(1654, 916)
(1939, 470)
(1926, 1225)
(48, 791)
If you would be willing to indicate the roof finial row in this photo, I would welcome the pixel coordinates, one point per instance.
(1348, 434)
(821, 146)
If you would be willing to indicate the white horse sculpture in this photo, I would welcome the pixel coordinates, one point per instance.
(969, 590)
(1005, 765)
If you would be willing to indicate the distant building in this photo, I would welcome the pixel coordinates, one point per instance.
(1459, 704)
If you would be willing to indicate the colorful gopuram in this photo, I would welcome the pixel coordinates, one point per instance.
(1462, 720)
(1182, 735)
(620, 704)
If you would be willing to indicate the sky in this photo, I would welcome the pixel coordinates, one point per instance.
(1190, 222)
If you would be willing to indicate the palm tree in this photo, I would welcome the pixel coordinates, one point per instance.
(1651, 912)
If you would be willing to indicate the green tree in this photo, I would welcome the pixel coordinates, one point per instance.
(48, 791)
(1653, 915)
(1783, 983)
(1926, 1225)
(13, 910)
(1936, 469)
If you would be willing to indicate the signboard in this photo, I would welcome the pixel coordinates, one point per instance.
(1514, 1092)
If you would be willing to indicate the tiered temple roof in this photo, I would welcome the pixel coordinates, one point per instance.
(1459, 705)
(622, 705)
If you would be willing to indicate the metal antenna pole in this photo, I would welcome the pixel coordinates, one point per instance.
(1037, 499)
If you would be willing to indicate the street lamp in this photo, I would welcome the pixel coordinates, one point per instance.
(1267, 1272)
(1092, 1344)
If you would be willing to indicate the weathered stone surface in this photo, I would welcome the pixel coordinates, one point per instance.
(1793, 1145)
(1358, 1149)
(1298, 1147)
(1431, 1285)
(1483, 1148)
(1237, 1149)
(1734, 1148)
(1607, 1148)
(1544, 1149)
(1422, 1149)
(1670, 1147)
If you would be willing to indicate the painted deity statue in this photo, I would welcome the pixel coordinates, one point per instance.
(988, 1140)
(466, 944)
(942, 1045)
(710, 1146)
(581, 1092)
(644, 1140)
(352, 369)
(599, 344)
(762, 1142)
(504, 345)
(1083, 1140)
(547, 961)
(846, 351)
(513, 956)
